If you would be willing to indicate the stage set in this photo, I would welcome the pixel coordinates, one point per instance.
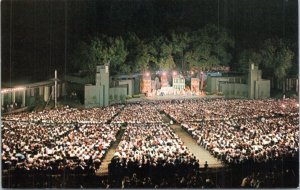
(170, 84)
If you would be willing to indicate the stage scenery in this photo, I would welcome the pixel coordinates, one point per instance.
(149, 94)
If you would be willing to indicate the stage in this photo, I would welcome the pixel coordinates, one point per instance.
(170, 97)
(174, 97)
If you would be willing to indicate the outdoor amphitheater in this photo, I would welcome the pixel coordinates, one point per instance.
(132, 94)
(177, 143)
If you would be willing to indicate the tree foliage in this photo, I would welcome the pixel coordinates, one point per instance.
(274, 56)
(160, 50)
(180, 44)
(139, 57)
(201, 49)
(246, 58)
(100, 51)
(277, 57)
(210, 46)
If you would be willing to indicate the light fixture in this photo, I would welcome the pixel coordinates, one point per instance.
(7, 90)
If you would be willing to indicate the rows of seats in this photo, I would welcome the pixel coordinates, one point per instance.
(67, 115)
(139, 113)
(64, 139)
(151, 148)
(238, 131)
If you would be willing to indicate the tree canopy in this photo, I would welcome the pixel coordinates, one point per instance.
(201, 49)
(277, 57)
(274, 56)
(102, 49)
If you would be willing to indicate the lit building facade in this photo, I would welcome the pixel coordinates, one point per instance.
(178, 82)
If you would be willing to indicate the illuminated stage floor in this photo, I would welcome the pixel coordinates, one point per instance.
(170, 97)
(173, 97)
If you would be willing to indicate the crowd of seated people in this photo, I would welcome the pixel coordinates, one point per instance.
(273, 178)
(67, 115)
(139, 113)
(221, 109)
(68, 141)
(194, 179)
(151, 149)
(10, 107)
(246, 140)
(42, 149)
(270, 131)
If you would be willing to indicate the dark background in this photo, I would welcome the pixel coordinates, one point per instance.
(33, 31)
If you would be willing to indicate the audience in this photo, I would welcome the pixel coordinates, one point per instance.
(67, 115)
(272, 178)
(172, 180)
(269, 131)
(64, 147)
(46, 149)
(221, 109)
(139, 113)
(152, 147)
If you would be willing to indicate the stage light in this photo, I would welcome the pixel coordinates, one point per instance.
(147, 74)
(7, 90)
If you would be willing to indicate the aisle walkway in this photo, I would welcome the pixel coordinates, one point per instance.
(103, 170)
(200, 153)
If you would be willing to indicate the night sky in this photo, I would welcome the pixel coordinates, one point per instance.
(34, 40)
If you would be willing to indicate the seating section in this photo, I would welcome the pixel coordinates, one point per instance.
(58, 139)
(67, 115)
(238, 131)
(139, 113)
(65, 147)
(152, 149)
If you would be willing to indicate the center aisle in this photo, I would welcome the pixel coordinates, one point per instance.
(200, 153)
(103, 170)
